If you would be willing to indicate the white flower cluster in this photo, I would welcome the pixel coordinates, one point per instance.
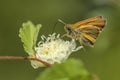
(53, 49)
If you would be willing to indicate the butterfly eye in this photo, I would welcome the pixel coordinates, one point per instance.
(69, 29)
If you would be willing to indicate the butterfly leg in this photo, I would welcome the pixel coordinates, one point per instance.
(64, 35)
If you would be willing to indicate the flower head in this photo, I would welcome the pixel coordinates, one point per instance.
(53, 49)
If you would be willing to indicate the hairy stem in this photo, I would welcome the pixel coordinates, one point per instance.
(23, 58)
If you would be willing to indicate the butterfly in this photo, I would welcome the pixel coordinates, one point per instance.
(85, 31)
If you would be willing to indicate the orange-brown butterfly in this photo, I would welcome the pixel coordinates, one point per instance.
(85, 31)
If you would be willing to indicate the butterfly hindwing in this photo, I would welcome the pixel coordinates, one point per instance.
(88, 34)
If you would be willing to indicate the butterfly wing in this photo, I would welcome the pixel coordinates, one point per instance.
(88, 34)
(95, 21)
(89, 30)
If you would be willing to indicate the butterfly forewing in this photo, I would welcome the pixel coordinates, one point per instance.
(95, 21)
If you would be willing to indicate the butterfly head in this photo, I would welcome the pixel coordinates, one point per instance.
(68, 28)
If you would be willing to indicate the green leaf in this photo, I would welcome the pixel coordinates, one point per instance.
(72, 69)
(28, 34)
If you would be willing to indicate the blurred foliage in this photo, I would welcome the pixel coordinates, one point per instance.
(72, 69)
(102, 60)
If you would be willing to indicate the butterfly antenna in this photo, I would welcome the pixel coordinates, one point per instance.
(61, 21)
(54, 26)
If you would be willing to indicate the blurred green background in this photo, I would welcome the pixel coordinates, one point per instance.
(103, 59)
